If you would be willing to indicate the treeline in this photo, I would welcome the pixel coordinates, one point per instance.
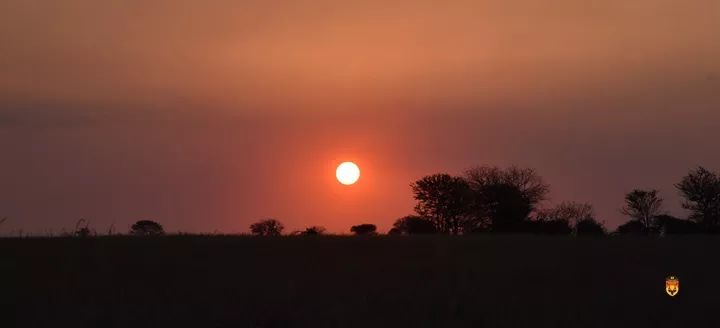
(507, 200)
(497, 200)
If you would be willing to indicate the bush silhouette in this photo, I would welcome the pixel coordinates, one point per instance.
(632, 227)
(411, 225)
(267, 227)
(564, 218)
(589, 227)
(313, 231)
(672, 225)
(364, 229)
(146, 228)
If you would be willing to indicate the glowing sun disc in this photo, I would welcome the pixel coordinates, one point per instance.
(347, 173)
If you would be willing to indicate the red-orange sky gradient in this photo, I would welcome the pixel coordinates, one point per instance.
(209, 115)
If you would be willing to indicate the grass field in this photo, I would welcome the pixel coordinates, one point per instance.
(429, 281)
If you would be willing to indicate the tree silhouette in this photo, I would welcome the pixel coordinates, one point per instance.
(364, 229)
(267, 227)
(506, 207)
(526, 180)
(643, 206)
(443, 200)
(701, 190)
(412, 225)
(504, 198)
(146, 228)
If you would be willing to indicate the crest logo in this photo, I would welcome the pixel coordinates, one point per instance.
(672, 285)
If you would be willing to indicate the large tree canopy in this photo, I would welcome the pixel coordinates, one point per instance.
(442, 199)
(502, 199)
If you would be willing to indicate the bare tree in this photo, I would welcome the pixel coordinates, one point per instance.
(701, 190)
(643, 206)
(526, 180)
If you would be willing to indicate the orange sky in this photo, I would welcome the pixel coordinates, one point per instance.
(209, 115)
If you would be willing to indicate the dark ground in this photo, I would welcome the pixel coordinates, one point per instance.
(433, 281)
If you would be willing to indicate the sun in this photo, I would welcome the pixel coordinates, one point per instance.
(347, 173)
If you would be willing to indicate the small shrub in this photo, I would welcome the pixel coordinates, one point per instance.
(80, 230)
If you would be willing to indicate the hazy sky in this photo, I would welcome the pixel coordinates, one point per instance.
(208, 115)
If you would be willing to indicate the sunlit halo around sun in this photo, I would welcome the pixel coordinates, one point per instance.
(347, 173)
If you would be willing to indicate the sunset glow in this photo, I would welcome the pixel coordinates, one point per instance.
(107, 105)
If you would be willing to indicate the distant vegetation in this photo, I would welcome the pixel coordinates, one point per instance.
(147, 228)
(364, 229)
(313, 231)
(267, 227)
(412, 225)
(506, 200)
(494, 200)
